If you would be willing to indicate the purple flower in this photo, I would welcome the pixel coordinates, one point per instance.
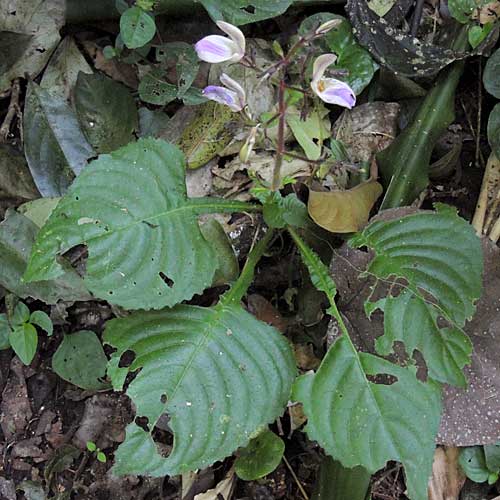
(331, 90)
(217, 49)
(232, 95)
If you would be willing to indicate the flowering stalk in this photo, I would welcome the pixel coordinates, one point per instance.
(276, 183)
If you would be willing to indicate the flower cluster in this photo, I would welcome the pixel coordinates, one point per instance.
(217, 49)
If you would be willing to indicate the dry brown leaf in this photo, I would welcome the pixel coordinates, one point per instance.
(223, 490)
(305, 357)
(490, 12)
(447, 476)
(344, 211)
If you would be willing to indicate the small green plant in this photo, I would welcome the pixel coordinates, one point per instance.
(100, 455)
(18, 331)
(481, 463)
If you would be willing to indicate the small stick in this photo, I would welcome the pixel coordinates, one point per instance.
(479, 110)
(299, 485)
(13, 111)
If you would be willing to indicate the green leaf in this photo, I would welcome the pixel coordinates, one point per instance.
(54, 145)
(491, 75)
(492, 457)
(260, 457)
(41, 319)
(21, 314)
(152, 123)
(4, 332)
(240, 12)
(186, 62)
(410, 319)
(91, 446)
(344, 407)
(405, 163)
(106, 111)
(38, 210)
(101, 457)
(129, 208)
(154, 89)
(494, 130)
(279, 212)
(17, 235)
(311, 132)
(477, 34)
(219, 373)
(352, 58)
(137, 27)
(62, 71)
(80, 360)
(473, 463)
(24, 340)
(462, 10)
(437, 252)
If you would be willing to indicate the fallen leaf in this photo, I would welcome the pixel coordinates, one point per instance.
(305, 357)
(447, 476)
(262, 309)
(344, 211)
(223, 491)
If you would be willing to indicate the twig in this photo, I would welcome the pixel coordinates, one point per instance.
(473, 132)
(417, 16)
(13, 111)
(281, 137)
(479, 110)
(299, 485)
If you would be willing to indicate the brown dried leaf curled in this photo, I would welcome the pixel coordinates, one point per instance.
(344, 211)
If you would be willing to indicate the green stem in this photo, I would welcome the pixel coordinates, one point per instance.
(276, 184)
(239, 289)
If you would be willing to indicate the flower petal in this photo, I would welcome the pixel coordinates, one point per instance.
(216, 49)
(336, 92)
(223, 96)
(327, 26)
(236, 36)
(320, 64)
(235, 87)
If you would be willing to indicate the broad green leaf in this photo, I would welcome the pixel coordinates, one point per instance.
(405, 163)
(4, 332)
(477, 34)
(473, 463)
(492, 457)
(24, 340)
(494, 129)
(281, 211)
(344, 211)
(80, 360)
(137, 27)
(154, 89)
(409, 319)
(36, 26)
(152, 123)
(437, 252)
(38, 210)
(219, 373)
(336, 481)
(54, 145)
(106, 111)
(311, 132)
(240, 12)
(20, 315)
(462, 10)
(62, 71)
(260, 457)
(41, 319)
(352, 57)
(359, 422)
(207, 135)
(130, 209)
(186, 62)
(491, 75)
(17, 235)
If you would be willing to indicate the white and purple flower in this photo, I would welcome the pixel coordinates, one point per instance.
(331, 90)
(232, 94)
(217, 49)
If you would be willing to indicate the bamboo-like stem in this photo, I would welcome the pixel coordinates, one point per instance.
(489, 187)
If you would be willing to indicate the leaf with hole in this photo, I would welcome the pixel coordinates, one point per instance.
(154, 89)
(361, 422)
(106, 111)
(240, 12)
(17, 235)
(413, 321)
(435, 252)
(80, 360)
(54, 145)
(130, 208)
(260, 457)
(137, 27)
(24, 340)
(219, 373)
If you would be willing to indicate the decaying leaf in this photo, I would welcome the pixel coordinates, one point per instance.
(344, 211)
(222, 491)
